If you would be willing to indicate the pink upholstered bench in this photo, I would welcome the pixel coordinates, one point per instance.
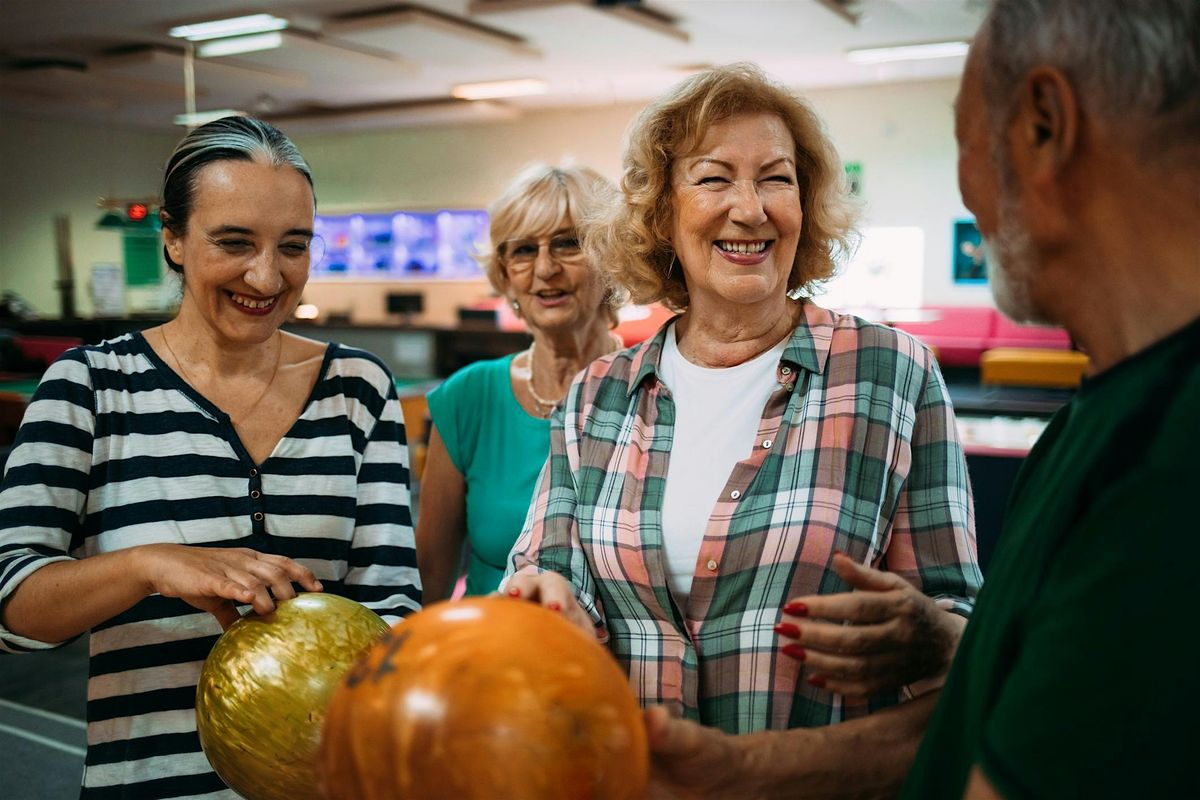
(962, 334)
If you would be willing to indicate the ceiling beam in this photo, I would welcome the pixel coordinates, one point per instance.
(841, 8)
(446, 23)
(636, 13)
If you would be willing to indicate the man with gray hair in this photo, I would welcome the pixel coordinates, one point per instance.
(1078, 124)
(1079, 132)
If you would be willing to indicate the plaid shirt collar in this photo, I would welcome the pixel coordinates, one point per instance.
(807, 348)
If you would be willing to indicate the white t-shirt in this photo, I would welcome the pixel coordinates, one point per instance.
(717, 413)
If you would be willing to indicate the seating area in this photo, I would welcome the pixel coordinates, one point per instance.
(43, 350)
(962, 334)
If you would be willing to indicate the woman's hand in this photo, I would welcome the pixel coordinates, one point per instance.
(551, 590)
(213, 579)
(883, 636)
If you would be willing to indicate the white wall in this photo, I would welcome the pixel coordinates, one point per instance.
(902, 134)
(456, 167)
(51, 168)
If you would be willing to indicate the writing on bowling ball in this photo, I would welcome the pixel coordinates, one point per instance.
(362, 670)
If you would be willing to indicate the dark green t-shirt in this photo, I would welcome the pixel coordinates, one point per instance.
(499, 449)
(1079, 672)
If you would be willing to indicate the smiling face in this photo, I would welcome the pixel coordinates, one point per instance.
(737, 213)
(245, 253)
(559, 290)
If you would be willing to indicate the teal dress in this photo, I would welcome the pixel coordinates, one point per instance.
(499, 449)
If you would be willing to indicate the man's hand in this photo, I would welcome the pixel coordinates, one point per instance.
(862, 758)
(688, 760)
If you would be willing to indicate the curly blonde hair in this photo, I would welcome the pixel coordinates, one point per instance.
(631, 240)
(538, 202)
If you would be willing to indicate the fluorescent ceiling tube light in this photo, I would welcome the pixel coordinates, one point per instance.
(493, 89)
(240, 44)
(237, 26)
(203, 117)
(907, 52)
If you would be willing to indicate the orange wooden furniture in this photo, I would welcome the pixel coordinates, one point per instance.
(416, 427)
(1027, 366)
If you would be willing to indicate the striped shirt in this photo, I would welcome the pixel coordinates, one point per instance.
(856, 451)
(116, 451)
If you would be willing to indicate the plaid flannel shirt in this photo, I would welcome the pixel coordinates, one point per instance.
(856, 451)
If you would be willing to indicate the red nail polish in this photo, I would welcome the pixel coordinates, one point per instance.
(795, 651)
(817, 681)
(554, 606)
(796, 609)
(514, 591)
(788, 629)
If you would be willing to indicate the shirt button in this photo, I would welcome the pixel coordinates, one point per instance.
(735, 494)
(256, 494)
(258, 516)
(785, 370)
(767, 444)
(253, 472)
(712, 565)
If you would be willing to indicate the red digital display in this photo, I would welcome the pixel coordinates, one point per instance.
(137, 211)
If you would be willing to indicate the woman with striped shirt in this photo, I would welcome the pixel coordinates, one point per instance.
(163, 479)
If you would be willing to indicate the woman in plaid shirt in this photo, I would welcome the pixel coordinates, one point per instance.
(701, 485)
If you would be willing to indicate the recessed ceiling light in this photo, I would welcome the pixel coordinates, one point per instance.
(240, 44)
(491, 89)
(907, 52)
(235, 26)
(201, 117)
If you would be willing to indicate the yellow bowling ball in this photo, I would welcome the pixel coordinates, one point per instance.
(264, 688)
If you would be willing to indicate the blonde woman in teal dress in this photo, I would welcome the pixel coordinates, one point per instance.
(491, 427)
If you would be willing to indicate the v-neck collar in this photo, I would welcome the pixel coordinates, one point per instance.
(175, 381)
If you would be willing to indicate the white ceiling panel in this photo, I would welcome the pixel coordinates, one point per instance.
(428, 37)
(578, 34)
(324, 59)
(72, 85)
(216, 76)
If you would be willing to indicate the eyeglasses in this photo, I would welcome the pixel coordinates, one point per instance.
(519, 255)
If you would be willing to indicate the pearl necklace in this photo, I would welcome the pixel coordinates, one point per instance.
(550, 405)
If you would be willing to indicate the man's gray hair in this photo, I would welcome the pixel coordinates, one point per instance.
(1134, 63)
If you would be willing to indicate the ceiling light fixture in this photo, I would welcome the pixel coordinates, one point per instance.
(204, 117)
(235, 26)
(488, 90)
(907, 52)
(240, 44)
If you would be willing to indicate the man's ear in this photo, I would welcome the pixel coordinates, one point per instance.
(1045, 126)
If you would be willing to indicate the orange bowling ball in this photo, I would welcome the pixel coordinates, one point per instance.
(485, 699)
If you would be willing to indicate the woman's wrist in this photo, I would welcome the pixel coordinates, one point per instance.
(139, 562)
